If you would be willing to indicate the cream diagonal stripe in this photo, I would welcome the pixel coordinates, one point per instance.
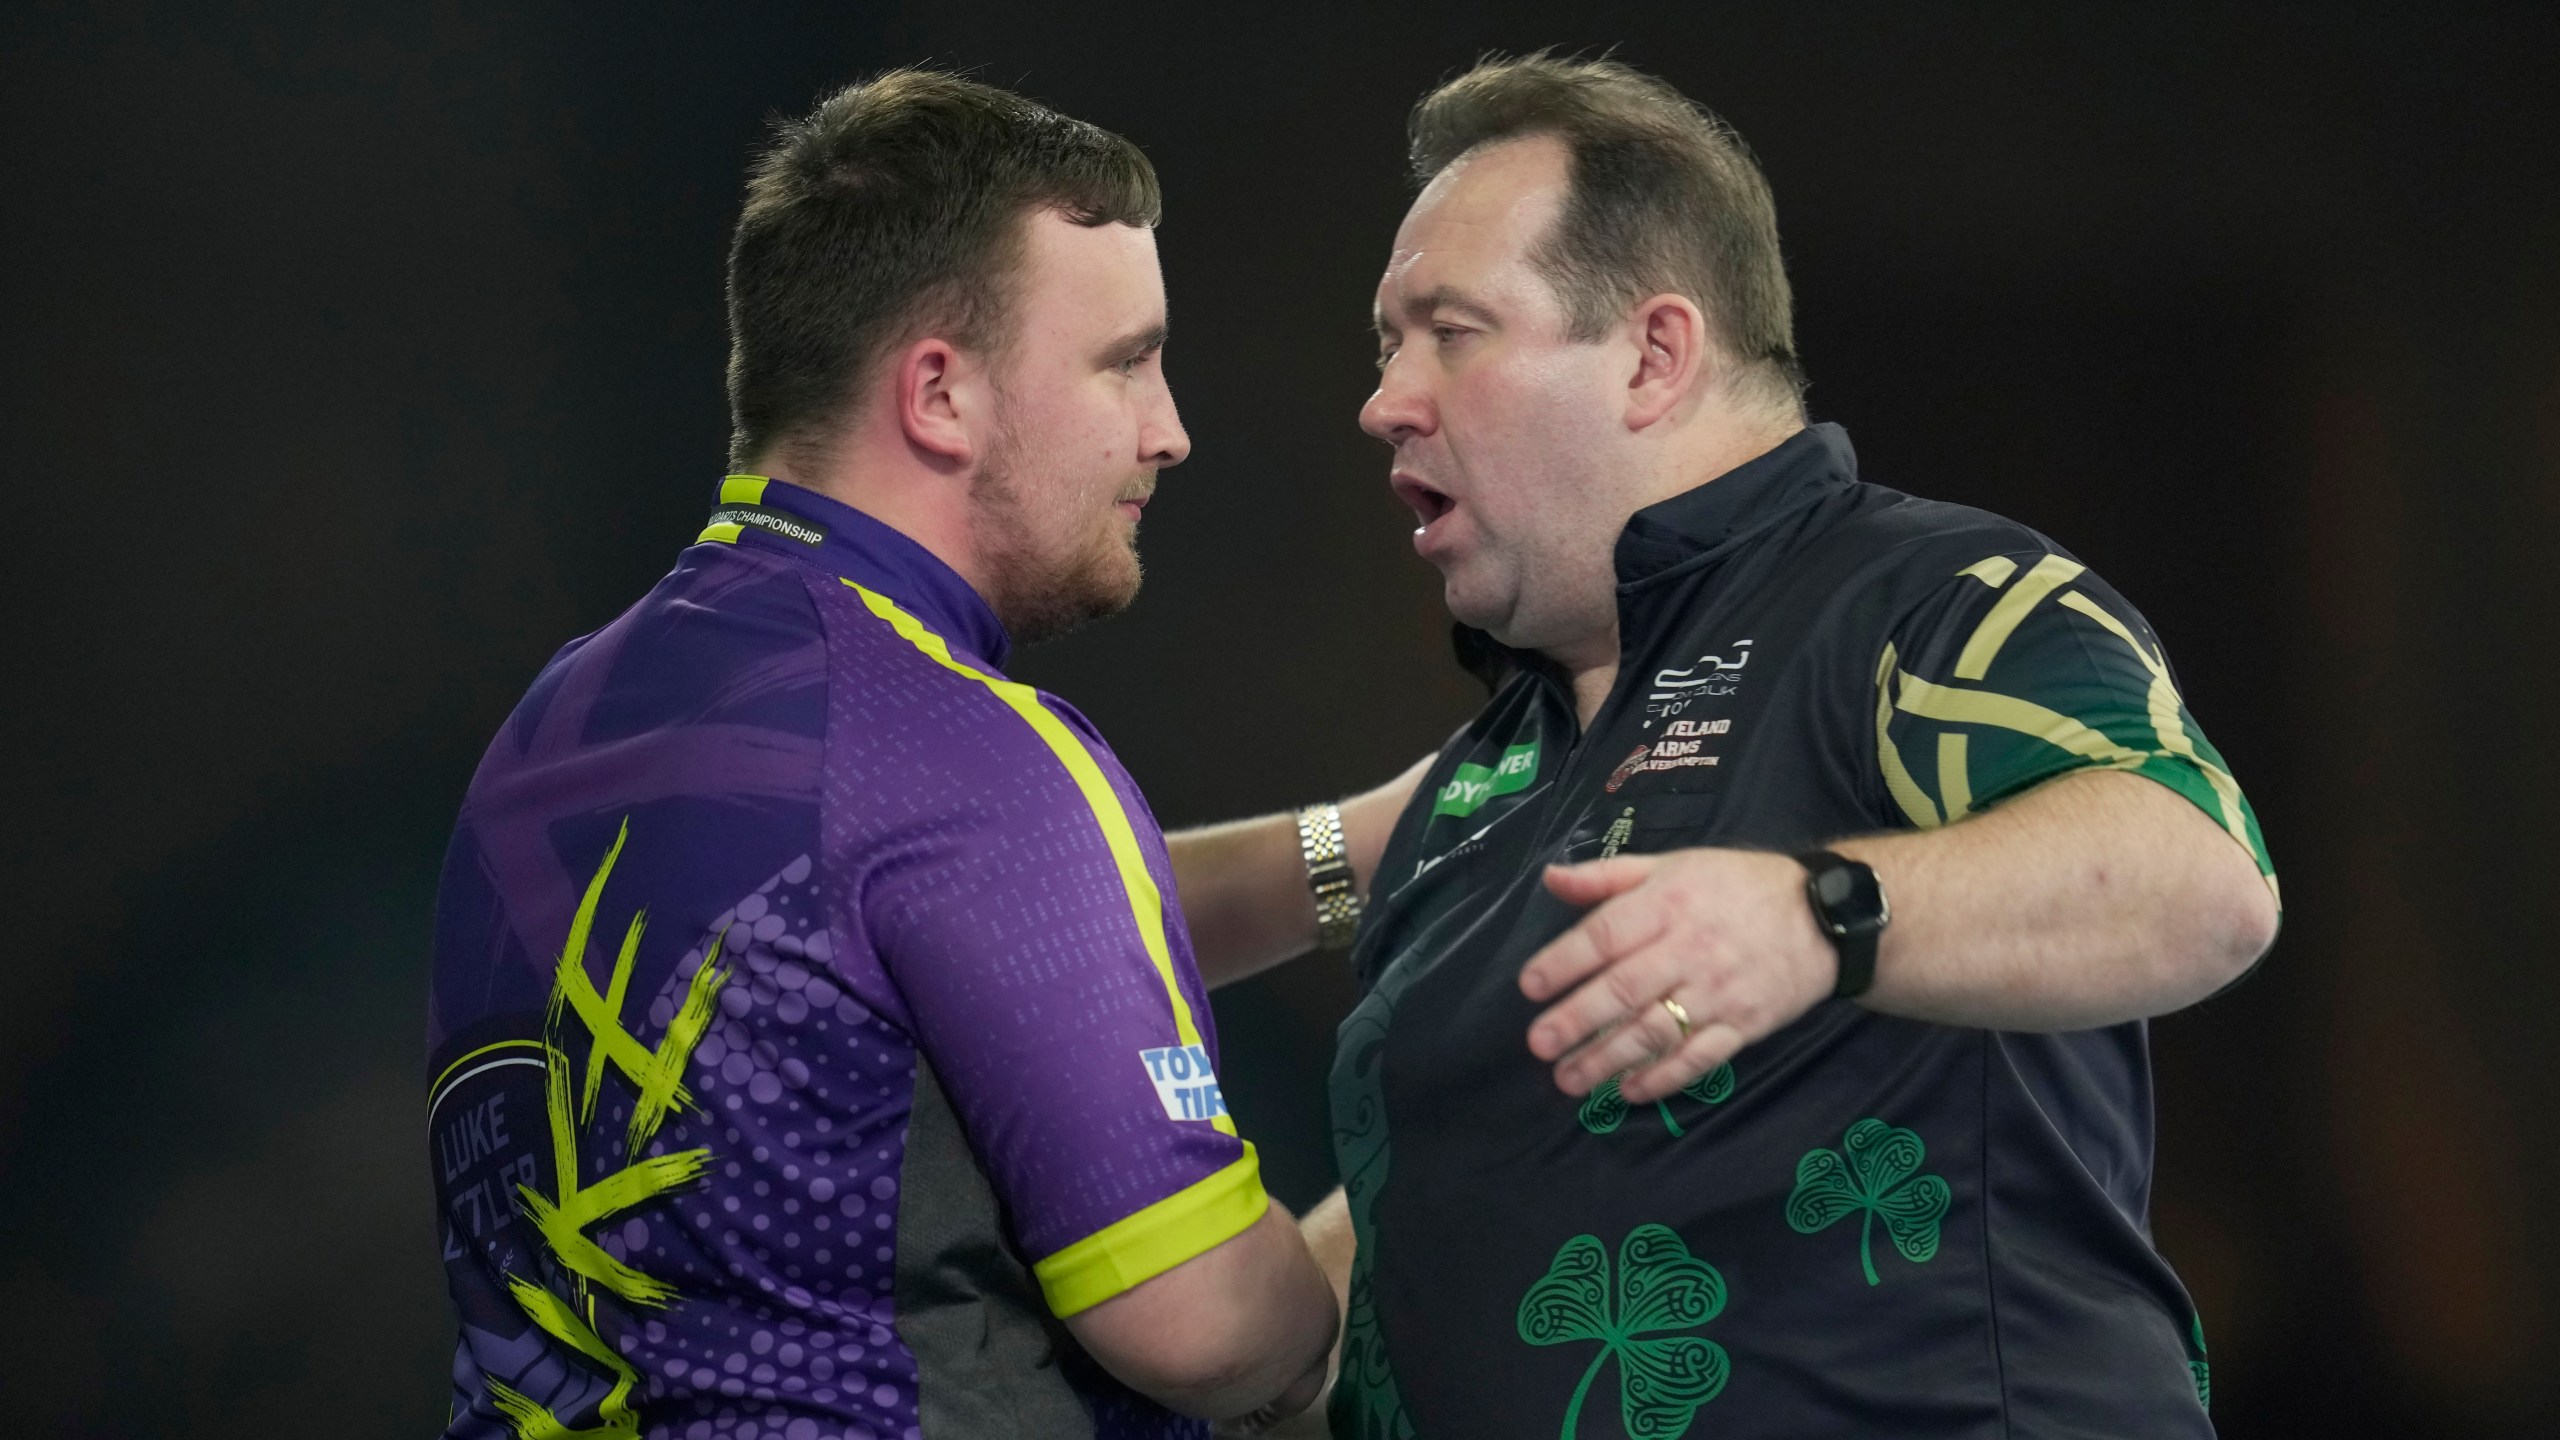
(1906, 791)
(1146, 903)
(2168, 723)
(1961, 706)
(2009, 611)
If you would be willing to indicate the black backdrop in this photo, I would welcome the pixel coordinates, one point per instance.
(357, 358)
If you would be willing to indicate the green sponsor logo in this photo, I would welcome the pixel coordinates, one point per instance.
(1473, 785)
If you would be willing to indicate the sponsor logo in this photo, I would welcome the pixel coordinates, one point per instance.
(1473, 785)
(1619, 830)
(772, 522)
(1676, 690)
(1660, 755)
(1185, 1084)
(1684, 728)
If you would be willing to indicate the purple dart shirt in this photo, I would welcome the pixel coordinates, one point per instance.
(813, 1020)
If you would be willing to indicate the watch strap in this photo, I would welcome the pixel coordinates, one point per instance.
(1855, 944)
(1329, 877)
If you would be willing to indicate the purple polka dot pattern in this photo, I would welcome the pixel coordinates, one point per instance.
(749, 714)
(811, 1103)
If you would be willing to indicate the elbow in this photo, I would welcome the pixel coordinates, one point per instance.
(1203, 1371)
(1222, 1334)
(2241, 923)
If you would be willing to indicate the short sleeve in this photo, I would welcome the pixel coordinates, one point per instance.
(1051, 988)
(2024, 666)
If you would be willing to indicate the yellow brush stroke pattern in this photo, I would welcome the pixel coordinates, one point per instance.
(562, 1219)
(529, 1418)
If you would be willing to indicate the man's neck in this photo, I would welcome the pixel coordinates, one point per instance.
(917, 502)
(1707, 453)
(1590, 666)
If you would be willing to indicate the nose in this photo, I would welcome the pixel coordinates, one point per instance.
(1162, 441)
(1401, 407)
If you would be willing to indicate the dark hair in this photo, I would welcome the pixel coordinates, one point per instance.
(893, 210)
(1664, 198)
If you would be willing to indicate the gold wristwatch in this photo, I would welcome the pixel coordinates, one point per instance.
(1328, 860)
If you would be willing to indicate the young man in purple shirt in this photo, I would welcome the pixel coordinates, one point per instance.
(818, 1048)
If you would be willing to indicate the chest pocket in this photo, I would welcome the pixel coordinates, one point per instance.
(1644, 824)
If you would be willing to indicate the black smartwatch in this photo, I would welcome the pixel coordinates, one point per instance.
(1849, 906)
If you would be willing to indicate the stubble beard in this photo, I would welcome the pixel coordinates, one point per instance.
(1045, 587)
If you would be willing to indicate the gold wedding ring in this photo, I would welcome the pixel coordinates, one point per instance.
(1679, 1016)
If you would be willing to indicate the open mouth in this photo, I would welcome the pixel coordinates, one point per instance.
(1426, 503)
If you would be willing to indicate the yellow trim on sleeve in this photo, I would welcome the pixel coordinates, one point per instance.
(726, 532)
(1146, 903)
(742, 489)
(1181, 1226)
(2006, 613)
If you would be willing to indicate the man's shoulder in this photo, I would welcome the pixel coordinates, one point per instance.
(1904, 532)
(715, 642)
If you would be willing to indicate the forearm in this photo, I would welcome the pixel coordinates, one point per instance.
(1244, 894)
(1327, 1228)
(1226, 1333)
(1244, 883)
(2093, 899)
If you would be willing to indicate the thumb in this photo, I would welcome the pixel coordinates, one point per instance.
(1597, 880)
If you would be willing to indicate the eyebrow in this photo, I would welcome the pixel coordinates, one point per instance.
(1442, 297)
(1136, 342)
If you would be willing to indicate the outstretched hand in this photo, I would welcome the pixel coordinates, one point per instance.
(1726, 935)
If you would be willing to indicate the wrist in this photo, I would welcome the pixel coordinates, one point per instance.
(1850, 912)
(1324, 851)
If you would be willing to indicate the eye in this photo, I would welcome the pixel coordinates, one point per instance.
(1386, 354)
(1447, 334)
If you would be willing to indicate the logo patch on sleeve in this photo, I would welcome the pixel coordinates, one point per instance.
(1184, 1082)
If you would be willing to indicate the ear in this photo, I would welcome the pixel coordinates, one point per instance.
(942, 402)
(1673, 355)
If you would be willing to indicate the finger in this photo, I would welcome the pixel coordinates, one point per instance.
(1609, 997)
(1596, 880)
(1708, 1046)
(1596, 941)
(1646, 1032)
(1605, 1000)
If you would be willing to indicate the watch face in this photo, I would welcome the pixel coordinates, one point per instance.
(1834, 886)
(1851, 899)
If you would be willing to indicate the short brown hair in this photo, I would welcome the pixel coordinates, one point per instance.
(1664, 198)
(894, 210)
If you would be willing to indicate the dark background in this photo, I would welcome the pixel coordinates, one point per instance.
(356, 358)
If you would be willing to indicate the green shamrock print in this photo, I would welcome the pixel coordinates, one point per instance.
(1605, 1110)
(1662, 1378)
(2202, 1371)
(1875, 1170)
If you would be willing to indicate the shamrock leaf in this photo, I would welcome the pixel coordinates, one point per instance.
(2202, 1371)
(1606, 1108)
(1662, 1378)
(1713, 1088)
(1876, 1170)
(1571, 1301)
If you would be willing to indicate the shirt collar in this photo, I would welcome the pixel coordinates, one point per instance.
(786, 519)
(1675, 536)
(1700, 520)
